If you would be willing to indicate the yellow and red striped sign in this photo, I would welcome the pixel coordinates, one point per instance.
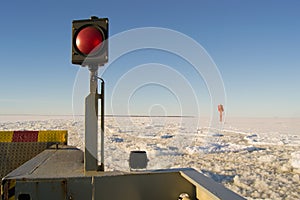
(6, 136)
(34, 136)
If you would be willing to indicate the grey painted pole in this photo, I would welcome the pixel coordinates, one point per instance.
(91, 123)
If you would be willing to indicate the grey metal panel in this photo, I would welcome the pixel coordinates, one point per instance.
(65, 163)
(79, 188)
(42, 189)
(167, 186)
(207, 184)
(52, 163)
(143, 186)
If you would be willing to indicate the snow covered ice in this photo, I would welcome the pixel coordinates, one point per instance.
(258, 158)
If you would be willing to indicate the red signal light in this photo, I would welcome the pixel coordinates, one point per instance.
(89, 40)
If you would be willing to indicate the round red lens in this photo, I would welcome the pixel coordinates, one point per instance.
(89, 40)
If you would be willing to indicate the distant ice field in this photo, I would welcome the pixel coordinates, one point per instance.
(258, 158)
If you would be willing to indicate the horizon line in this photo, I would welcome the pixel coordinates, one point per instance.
(108, 115)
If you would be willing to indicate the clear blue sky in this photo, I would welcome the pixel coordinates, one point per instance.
(255, 45)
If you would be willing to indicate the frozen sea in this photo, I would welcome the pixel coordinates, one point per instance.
(259, 158)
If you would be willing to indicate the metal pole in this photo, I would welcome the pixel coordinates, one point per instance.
(102, 125)
(91, 123)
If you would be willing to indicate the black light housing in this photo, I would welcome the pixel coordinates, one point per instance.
(90, 41)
